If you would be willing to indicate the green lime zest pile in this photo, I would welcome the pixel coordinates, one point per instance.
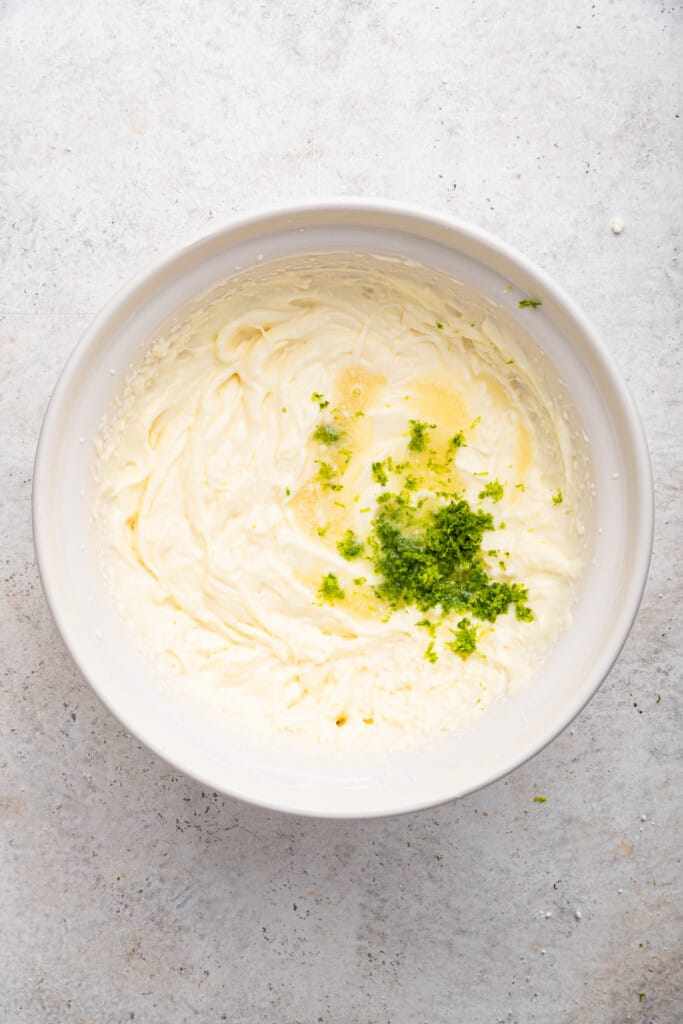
(330, 589)
(351, 546)
(418, 435)
(326, 477)
(380, 474)
(493, 490)
(433, 558)
(327, 434)
(465, 642)
(424, 544)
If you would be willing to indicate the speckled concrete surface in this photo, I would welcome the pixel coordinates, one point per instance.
(127, 893)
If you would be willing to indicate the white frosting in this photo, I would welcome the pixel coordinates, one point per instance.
(210, 512)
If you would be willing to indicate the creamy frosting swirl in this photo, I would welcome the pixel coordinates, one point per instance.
(216, 531)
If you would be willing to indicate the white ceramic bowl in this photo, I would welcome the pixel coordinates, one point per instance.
(319, 784)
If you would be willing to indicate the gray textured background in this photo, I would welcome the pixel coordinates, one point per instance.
(127, 892)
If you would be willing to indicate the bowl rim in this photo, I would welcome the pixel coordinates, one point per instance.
(635, 442)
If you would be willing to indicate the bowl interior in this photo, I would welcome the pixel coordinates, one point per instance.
(285, 777)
